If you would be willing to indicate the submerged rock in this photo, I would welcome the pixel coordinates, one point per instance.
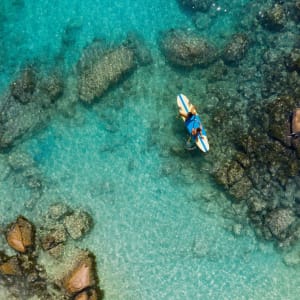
(20, 235)
(23, 88)
(196, 5)
(100, 72)
(27, 105)
(53, 86)
(279, 221)
(187, 49)
(58, 210)
(236, 48)
(78, 223)
(274, 18)
(293, 60)
(53, 237)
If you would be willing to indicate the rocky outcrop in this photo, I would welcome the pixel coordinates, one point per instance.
(27, 275)
(60, 223)
(196, 5)
(262, 167)
(81, 277)
(273, 18)
(293, 60)
(20, 235)
(236, 48)
(99, 69)
(187, 49)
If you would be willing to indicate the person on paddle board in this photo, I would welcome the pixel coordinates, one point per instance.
(197, 127)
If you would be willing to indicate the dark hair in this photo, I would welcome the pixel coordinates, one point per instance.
(189, 115)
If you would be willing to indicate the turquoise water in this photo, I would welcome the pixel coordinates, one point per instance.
(162, 227)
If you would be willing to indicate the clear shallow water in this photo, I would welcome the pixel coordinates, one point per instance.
(159, 233)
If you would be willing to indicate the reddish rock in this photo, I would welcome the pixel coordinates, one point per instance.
(20, 235)
(81, 277)
(10, 267)
(296, 120)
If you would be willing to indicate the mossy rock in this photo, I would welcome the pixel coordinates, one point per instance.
(279, 112)
(241, 188)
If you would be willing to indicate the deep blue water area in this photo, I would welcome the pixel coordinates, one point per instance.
(161, 229)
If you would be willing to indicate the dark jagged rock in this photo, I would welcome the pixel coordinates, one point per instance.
(236, 49)
(99, 70)
(262, 166)
(23, 277)
(293, 60)
(295, 11)
(196, 5)
(23, 88)
(274, 18)
(279, 112)
(232, 175)
(187, 49)
(20, 235)
(279, 221)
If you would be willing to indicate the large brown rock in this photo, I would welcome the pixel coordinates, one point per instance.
(296, 120)
(11, 267)
(81, 277)
(20, 235)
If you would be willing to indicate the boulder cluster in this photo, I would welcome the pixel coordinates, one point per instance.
(68, 273)
(251, 100)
